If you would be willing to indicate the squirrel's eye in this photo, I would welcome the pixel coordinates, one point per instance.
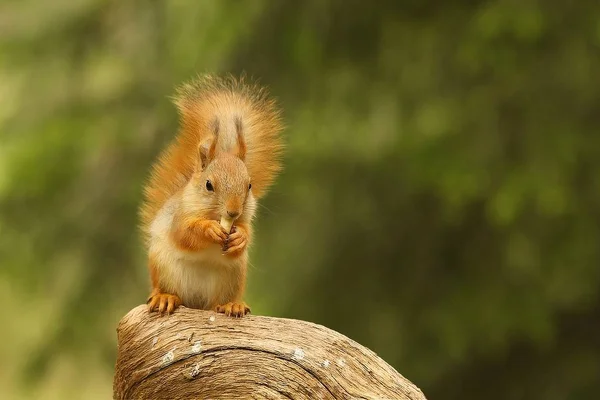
(249, 186)
(209, 186)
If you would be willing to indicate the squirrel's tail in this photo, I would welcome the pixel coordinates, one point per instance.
(234, 103)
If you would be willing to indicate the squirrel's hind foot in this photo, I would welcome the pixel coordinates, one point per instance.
(162, 302)
(233, 309)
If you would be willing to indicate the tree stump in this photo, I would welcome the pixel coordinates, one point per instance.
(194, 354)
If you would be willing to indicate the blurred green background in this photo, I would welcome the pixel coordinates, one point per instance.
(440, 202)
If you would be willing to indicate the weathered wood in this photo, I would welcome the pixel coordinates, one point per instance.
(195, 354)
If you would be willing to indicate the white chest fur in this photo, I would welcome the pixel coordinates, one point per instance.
(201, 279)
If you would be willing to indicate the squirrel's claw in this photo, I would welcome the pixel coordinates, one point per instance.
(162, 302)
(233, 309)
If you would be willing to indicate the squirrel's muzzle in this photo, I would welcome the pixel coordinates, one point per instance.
(233, 214)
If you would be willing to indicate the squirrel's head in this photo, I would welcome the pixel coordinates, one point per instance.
(221, 182)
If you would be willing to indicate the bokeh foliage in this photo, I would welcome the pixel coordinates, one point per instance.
(440, 202)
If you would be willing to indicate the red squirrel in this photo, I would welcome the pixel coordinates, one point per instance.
(201, 198)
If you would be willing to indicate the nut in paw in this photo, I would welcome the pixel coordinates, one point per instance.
(236, 243)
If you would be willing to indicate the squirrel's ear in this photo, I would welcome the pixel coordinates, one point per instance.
(241, 143)
(203, 159)
(206, 150)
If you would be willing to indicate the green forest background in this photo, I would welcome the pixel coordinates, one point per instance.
(440, 202)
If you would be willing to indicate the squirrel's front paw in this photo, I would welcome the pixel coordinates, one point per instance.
(236, 242)
(214, 232)
(162, 302)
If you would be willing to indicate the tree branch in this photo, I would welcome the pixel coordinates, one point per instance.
(201, 354)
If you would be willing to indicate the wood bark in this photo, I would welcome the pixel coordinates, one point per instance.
(194, 354)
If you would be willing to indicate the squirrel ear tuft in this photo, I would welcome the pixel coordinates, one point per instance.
(203, 155)
(206, 150)
(241, 150)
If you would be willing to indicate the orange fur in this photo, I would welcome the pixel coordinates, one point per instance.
(229, 138)
(196, 234)
(199, 103)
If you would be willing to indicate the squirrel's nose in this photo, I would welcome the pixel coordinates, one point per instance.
(233, 214)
